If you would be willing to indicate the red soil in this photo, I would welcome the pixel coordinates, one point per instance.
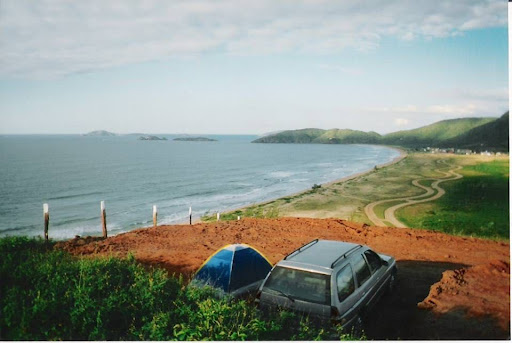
(478, 289)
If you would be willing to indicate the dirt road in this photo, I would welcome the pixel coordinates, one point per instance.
(472, 303)
(430, 192)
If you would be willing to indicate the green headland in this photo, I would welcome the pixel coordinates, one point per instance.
(465, 133)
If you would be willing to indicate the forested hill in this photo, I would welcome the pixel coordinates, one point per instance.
(434, 134)
(471, 133)
(491, 136)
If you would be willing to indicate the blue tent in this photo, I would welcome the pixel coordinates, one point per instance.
(235, 269)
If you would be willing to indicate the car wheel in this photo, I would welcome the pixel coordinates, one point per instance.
(392, 281)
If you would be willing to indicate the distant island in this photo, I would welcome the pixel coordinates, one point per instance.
(101, 133)
(194, 139)
(477, 134)
(152, 138)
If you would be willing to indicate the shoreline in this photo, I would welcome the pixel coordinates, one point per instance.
(403, 154)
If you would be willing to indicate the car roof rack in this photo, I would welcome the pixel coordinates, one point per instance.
(305, 246)
(345, 255)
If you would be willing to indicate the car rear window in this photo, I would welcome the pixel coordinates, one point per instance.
(301, 285)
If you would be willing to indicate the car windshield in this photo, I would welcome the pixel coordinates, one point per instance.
(299, 284)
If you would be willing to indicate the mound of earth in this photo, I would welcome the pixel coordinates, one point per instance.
(460, 283)
(464, 286)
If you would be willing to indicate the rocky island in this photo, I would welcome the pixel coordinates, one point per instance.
(152, 138)
(194, 139)
(101, 133)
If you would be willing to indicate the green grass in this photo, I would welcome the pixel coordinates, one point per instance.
(347, 200)
(47, 294)
(477, 204)
(255, 211)
(380, 209)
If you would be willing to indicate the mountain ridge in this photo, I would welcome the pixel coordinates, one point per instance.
(491, 133)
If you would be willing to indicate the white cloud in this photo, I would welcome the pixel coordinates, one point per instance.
(341, 69)
(401, 121)
(49, 38)
(408, 36)
(399, 109)
(456, 110)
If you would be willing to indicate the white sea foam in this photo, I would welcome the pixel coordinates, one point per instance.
(70, 231)
(281, 174)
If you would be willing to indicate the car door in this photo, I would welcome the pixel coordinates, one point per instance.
(346, 299)
(363, 279)
(377, 280)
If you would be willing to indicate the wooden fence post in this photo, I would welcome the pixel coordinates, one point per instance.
(46, 215)
(155, 214)
(103, 218)
(190, 214)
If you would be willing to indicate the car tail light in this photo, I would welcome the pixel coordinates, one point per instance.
(334, 312)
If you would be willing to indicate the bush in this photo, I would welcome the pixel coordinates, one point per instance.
(49, 295)
(316, 186)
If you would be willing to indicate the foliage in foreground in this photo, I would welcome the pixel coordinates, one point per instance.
(49, 295)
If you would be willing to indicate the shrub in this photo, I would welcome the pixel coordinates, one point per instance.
(49, 295)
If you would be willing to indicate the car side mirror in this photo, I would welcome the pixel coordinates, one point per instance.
(385, 263)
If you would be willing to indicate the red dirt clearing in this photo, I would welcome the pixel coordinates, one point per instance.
(479, 291)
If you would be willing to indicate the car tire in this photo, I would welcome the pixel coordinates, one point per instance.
(356, 329)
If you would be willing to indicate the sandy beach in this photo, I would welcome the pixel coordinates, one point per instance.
(403, 154)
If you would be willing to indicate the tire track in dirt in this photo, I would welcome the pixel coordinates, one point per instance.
(389, 213)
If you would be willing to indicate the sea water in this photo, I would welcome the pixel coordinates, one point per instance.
(73, 173)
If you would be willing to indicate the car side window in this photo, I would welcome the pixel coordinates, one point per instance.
(345, 282)
(373, 259)
(362, 270)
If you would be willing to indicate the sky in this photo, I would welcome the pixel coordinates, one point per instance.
(249, 67)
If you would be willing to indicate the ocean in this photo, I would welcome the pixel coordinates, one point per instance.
(73, 173)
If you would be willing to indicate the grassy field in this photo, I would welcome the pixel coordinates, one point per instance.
(484, 213)
(477, 204)
(47, 294)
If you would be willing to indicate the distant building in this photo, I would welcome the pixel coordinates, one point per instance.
(464, 151)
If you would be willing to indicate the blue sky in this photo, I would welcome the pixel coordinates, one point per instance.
(230, 67)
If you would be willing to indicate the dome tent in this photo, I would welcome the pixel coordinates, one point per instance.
(235, 269)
